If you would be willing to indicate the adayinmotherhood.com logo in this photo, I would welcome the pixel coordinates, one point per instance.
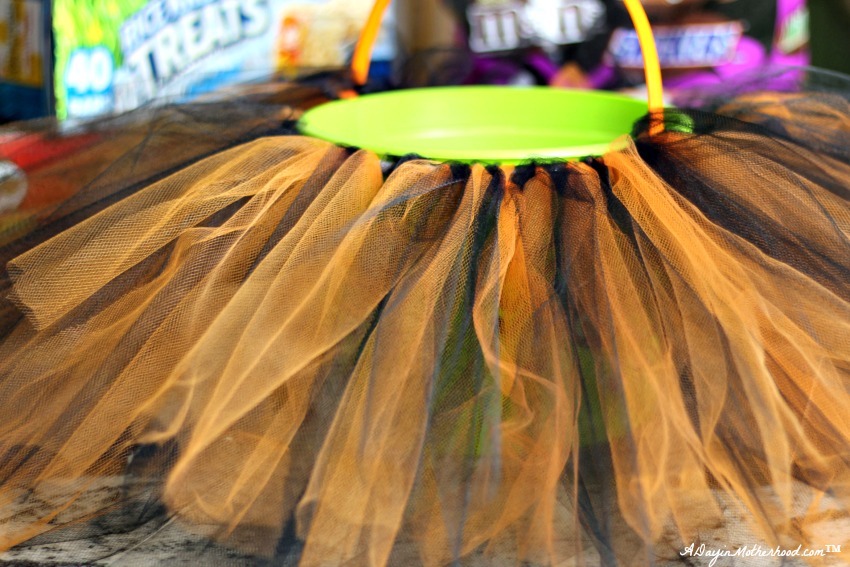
(703, 550)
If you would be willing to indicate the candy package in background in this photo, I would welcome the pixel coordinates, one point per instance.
(705, 43)
(591, 44)
(114, 56)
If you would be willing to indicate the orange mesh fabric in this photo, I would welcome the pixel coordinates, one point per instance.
(75, 172)
(298, 351)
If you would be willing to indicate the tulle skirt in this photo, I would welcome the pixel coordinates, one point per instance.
(301, 352)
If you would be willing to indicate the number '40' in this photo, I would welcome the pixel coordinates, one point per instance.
(89, 70)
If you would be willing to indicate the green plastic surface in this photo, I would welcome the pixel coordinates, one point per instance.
(478, 123)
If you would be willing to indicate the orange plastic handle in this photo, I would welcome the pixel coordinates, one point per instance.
(652, 69)
(366, 43)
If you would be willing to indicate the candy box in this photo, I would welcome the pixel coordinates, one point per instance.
(111, 56)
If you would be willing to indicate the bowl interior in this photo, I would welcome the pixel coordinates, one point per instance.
(482, 123)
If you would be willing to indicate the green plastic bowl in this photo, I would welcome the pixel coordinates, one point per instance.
(478, 124)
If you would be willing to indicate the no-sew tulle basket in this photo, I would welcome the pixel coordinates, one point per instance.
(258, 347)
